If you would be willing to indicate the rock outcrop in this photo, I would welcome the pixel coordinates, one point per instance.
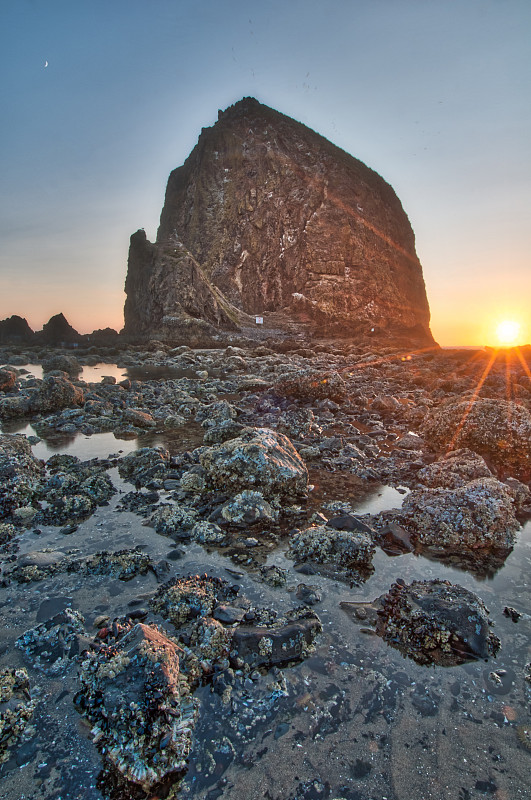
(58, 331)
(15, 330)
(266, 215)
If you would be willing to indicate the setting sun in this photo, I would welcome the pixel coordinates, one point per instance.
(508, 332)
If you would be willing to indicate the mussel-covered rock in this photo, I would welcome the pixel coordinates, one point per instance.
(289, 639)
(259, 459)
(139, 705)
(436, 622)
(51, 644)
(16, 709)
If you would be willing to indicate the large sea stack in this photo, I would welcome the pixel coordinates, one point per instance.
(267, 215)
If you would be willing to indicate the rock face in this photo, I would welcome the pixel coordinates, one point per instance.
(265, 215)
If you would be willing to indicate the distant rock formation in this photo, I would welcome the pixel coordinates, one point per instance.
(267, 215)
(58, 331)
(15, 330)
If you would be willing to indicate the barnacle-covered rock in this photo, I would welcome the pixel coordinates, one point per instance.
(173, 520)
(20, 474)
(16, 709)
(454, 470)
(139, 705)
(436, 622)
(122, 564)
(51, 644)
(350, 551)
(37, 565)
(223, 431)
(55, 393)
(144, 465)
(311, 385)
(13, 407)
(73, 490)
(60, 361)
(8, 378)
(479, 514)
(259, 459)
(214, 413)
(139, 418)
(207, 533)
(497, 429)
(182, 600)
(7, 532)
(248, 507)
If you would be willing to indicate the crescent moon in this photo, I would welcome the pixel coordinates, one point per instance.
(45, 64)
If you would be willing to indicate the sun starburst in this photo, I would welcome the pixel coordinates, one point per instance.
(508, 332)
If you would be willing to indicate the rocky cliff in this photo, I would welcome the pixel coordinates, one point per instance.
(267, 215)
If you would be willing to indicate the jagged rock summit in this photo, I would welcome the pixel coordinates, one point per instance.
(266, 216)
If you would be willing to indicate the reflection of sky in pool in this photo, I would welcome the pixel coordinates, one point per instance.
(90, 374)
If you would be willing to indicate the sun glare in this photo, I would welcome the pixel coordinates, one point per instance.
(508, 332)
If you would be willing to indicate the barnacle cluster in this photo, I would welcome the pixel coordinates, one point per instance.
(16, 708)
(122, 564)
(139, 705)
(20, 474)
(436, 622)
(170, 520)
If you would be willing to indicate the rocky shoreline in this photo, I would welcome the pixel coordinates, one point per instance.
(249, 465)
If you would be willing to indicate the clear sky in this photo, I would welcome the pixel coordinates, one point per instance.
(435, 95)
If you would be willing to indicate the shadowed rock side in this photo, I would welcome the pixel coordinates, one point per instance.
(266, 215)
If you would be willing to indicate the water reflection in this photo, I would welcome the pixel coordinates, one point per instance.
(90, 374)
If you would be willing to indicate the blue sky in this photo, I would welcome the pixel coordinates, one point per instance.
(435, 95)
